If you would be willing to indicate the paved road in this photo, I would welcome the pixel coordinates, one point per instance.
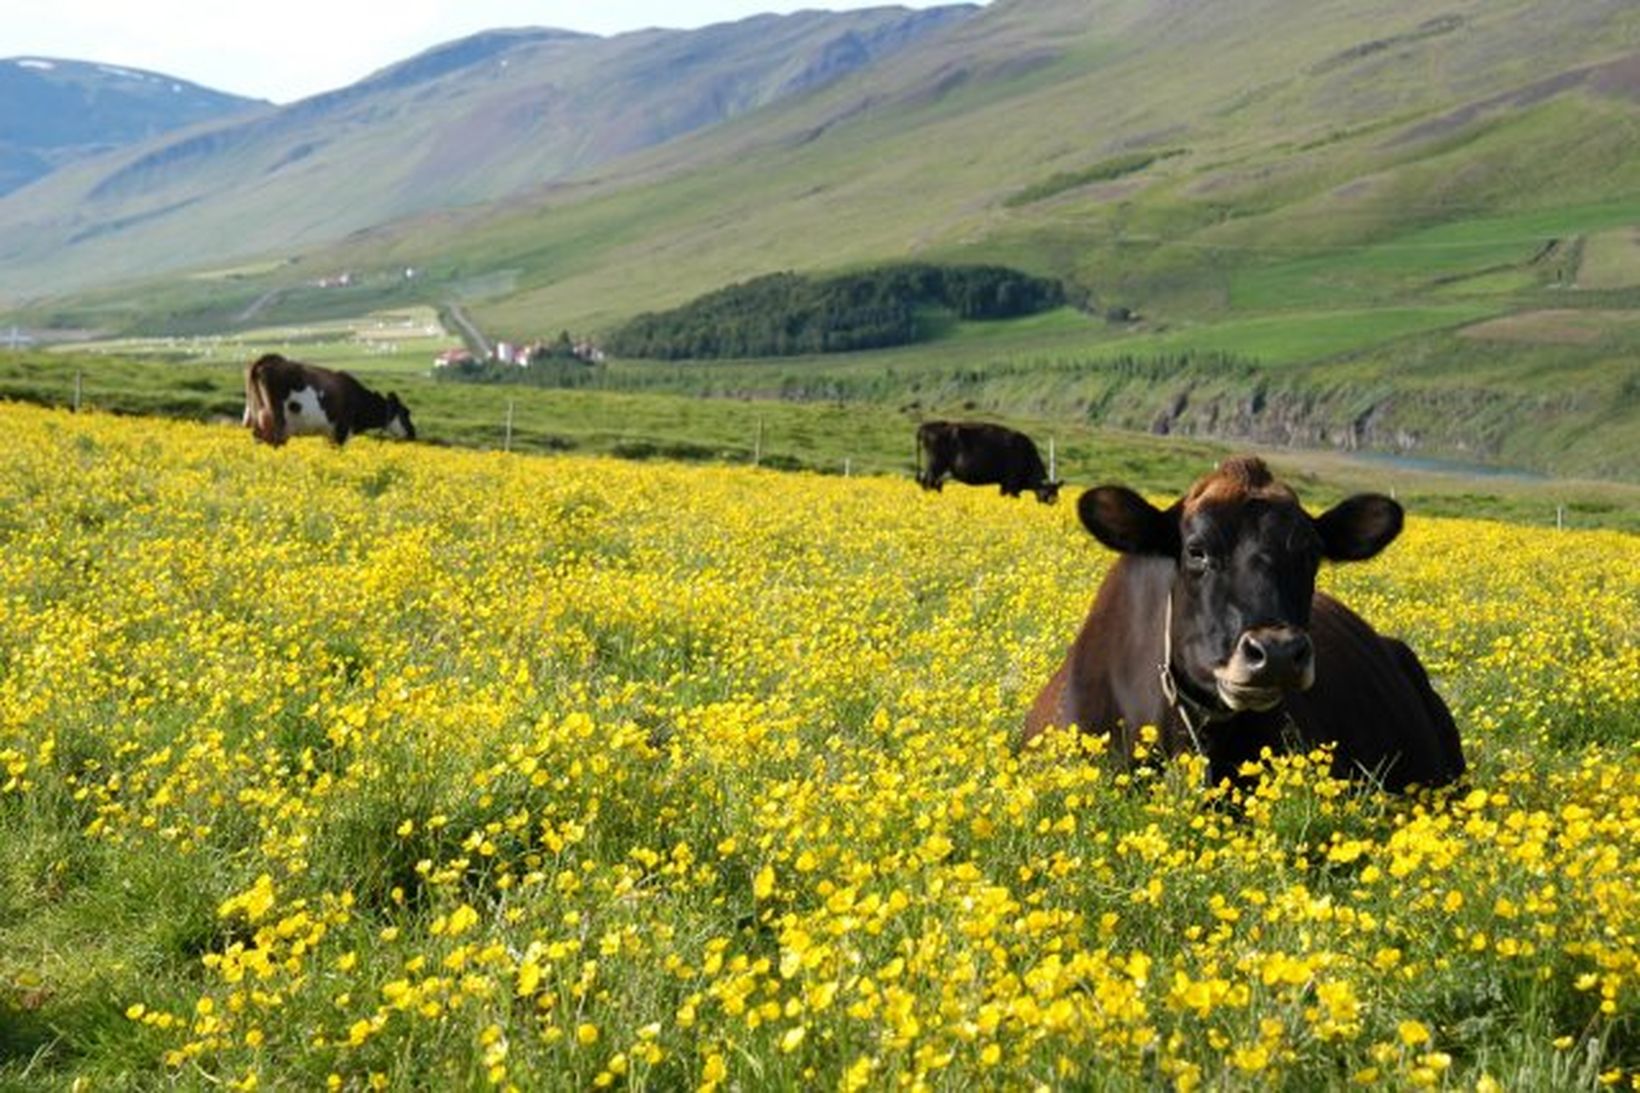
(469, 331)
(258, 304)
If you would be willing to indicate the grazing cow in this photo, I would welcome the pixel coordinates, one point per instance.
(1209, 627)
(285, 398)
(980, 454)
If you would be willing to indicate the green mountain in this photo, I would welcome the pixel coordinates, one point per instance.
(469, 122)
(56, 112)
(1284, 136)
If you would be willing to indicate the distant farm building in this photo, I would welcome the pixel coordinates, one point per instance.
(453, 358)
(538, 351)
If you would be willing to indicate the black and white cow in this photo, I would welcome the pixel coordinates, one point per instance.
(286, 398)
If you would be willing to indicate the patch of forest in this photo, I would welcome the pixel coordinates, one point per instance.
(789, 314)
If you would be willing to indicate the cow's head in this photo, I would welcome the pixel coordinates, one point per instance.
(1048, 492)
(398, 418)
(1245, 558)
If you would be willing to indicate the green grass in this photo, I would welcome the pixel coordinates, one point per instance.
(1302, 337)
(1104, 171)
(1430, 257)
(1311, 378)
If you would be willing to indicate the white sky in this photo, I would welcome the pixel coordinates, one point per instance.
(288, 49)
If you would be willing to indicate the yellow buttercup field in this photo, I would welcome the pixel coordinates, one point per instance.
(393, 767)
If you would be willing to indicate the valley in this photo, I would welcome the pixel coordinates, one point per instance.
(1353, 230)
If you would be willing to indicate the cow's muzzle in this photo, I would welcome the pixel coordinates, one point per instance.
(1268, 662)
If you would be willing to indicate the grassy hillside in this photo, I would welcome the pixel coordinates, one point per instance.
(1274, 181)
(1291, 135)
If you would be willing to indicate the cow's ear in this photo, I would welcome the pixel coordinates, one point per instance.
(1124, 521)
(1359, 527)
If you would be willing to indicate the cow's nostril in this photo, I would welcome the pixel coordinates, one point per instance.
(1273, 654)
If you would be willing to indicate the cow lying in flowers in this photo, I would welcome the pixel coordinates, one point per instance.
(1209, 627)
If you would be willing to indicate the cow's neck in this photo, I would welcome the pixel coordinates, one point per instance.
(1113, 683)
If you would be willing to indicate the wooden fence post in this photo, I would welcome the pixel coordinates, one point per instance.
(506, 444)
(757, 444)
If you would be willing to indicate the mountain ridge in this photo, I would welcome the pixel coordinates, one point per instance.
(471, 121)
(59, 111)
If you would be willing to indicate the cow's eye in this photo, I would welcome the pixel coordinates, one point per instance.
(1196, 554)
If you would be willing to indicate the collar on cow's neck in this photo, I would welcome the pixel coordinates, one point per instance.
(1195, 714)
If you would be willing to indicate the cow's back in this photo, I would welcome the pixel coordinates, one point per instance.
(1373, 697)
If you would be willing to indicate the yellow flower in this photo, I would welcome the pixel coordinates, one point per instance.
(1413, 1033)
(462, 919)
(1250, 1059)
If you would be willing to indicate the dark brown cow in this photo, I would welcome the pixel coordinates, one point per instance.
(1209, 627)
(982, 454)
(285, 398)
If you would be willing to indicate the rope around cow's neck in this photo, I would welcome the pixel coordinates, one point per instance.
(1182, 704)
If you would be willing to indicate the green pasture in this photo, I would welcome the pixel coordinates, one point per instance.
(401, 341)
(1295, 339)
(1515, 250)
(828, 436)
(1611, 260)
(1272, 339)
